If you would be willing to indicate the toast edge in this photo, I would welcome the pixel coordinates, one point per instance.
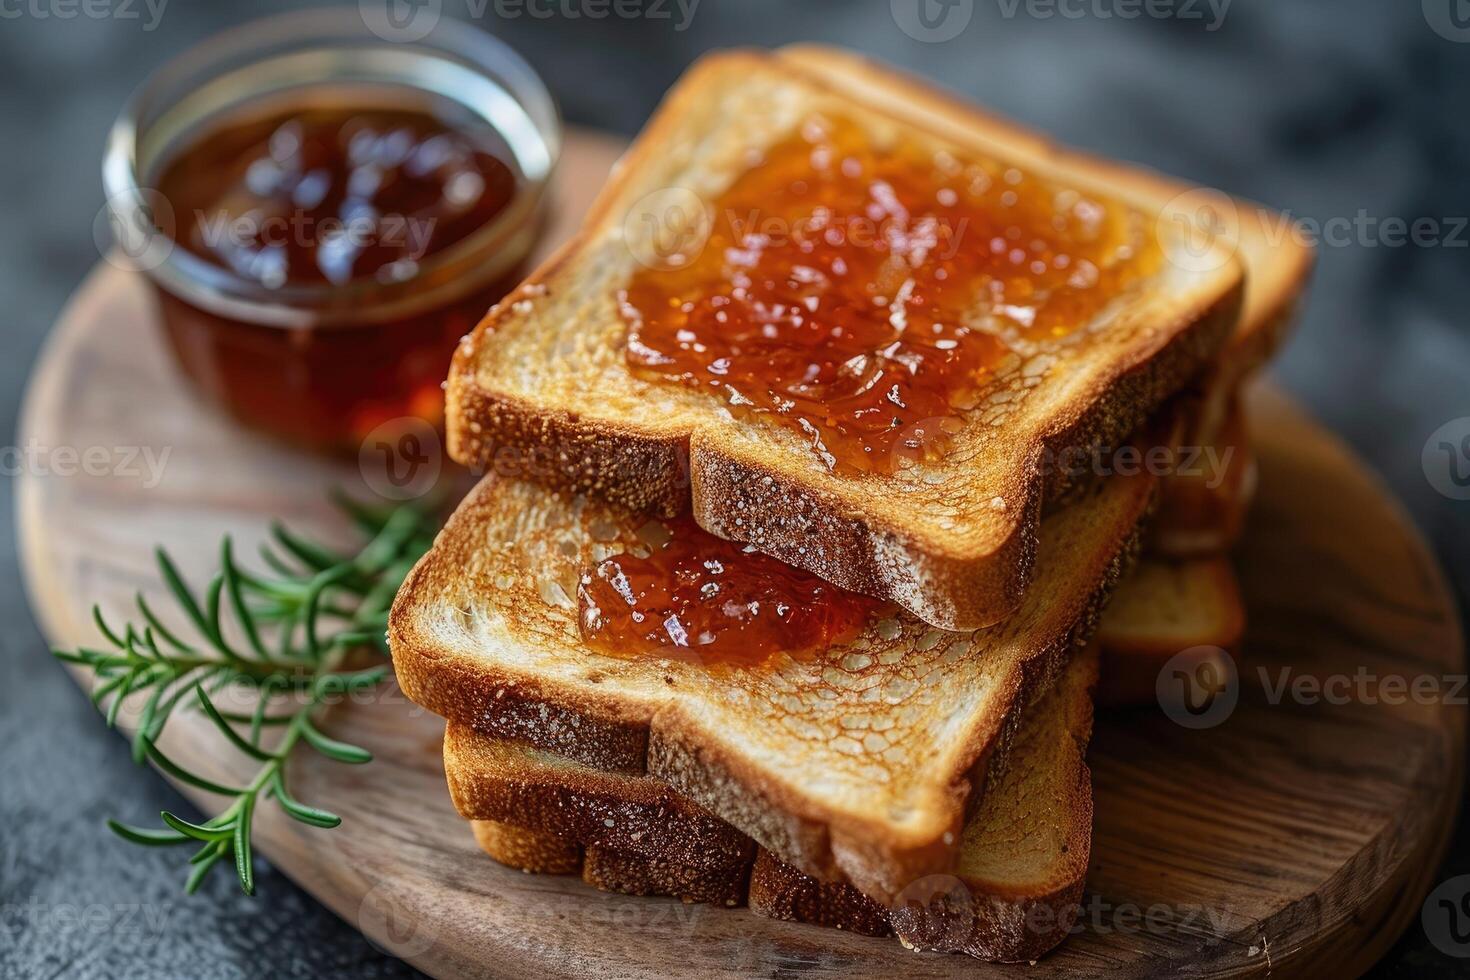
(871, 854)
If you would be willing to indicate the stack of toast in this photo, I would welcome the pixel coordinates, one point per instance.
(736, 614)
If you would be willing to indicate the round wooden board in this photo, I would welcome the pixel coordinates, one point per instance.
(1292, 839)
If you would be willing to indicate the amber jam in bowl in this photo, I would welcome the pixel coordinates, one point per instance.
(324, 213)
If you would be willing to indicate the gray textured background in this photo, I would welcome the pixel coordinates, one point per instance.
(1326, 107)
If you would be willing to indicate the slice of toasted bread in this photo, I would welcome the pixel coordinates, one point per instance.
(1012, 895)
(509, 782)
(543, 388)
(533, 851)
(1160, 609)
(1014, 891)
(857, 761)
(1275, 251)
(1204, 503)
(609, 869)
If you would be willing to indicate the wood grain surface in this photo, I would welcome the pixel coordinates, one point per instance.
(1291, 839)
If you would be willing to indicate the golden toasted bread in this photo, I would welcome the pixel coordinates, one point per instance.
(543, 387)
(1203, 505)
(1195, 520)
(1012, 895)
(855, 762)
(541, 852)
(1162, 608)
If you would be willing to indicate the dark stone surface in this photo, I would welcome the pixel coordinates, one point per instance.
(1326, 107)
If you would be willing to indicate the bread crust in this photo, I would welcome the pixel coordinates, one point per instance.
(611, 870)
(710, 766)
(970, 576)
(628, 814)
(996, 905)
(532, 851)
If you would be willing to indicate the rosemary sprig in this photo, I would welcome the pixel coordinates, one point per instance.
(320, 606)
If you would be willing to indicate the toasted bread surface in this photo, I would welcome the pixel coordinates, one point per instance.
(542, 387)
(1275, 251)
(1014, 892)
(1012, 895)
(856, 762)
(1160, 609)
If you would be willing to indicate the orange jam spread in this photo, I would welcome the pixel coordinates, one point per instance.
(689, 595)
(864, 295)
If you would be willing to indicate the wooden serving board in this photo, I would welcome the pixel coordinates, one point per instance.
(1291, 839)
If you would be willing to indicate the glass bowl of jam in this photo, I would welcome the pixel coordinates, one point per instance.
(323, 213)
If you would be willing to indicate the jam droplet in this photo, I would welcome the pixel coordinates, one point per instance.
(693, 596)
(864, 296)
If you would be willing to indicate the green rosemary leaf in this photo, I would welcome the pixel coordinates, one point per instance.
(157, 626)
(277, 564)
(244, 866)
(145, 723)
(146, 836)
(103, 628)
(369, 519)
(181, 593)
(323, 581)
(311, 555)
(229, 732)
(195, 830)
(103, 690)
(311, 815)
(232, 577)
(333, 749)
(212, 602)
(130, 681)
(183, 775)
(207, 857)
(257, 720)
(183, 684)
(383, 549)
